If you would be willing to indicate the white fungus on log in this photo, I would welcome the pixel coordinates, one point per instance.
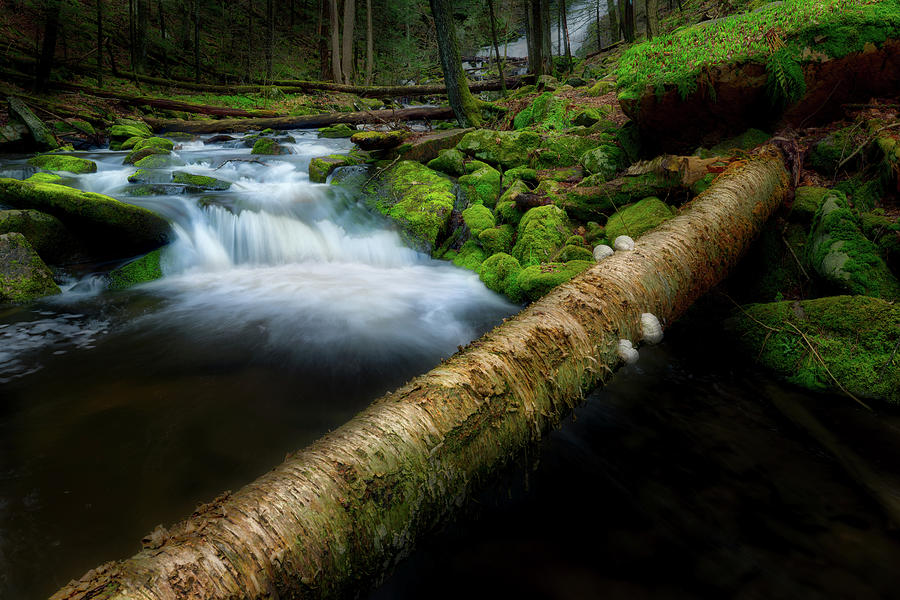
(651, 329)
(627, 352)
(602, 251)
(623, 242)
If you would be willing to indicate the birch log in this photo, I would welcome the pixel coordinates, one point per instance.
(334, 517)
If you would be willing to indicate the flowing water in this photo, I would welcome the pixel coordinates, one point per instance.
(285, 307)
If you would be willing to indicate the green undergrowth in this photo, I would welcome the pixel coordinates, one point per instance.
(794, 31)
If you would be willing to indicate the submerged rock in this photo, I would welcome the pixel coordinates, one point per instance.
(63, 162)
(23, 275)
(111, 227)
(855, 336)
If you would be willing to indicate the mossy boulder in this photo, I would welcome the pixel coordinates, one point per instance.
(469, 256)
(46, 234)
(149, 176)
(855, 336)
(135, 155)
(481, 186)
(450, 161)
(44, 178)
(158, 161)
(497, 239)
(120, 133)
(500, 273)
(23, 275)
(587, 117)
(204, 182)
(478, 218)
(341, 130)
(63, 162)
(588, 200)
(507, 209)
(542, 232)
(807, 201)
(141, 270)
(638, 218)
(546, 111)
(571, 252)
(605, 161)
(378, 140)
(128, 144)
(842, 255)
(110, 227)
(504, 149)
(885, 234)
(41, 134)
(537, 280)
(420, 200)
(82, 126)
(321, 167)
(155, 142)
(526, 174)
(137, 124)
(826, 155)
(746, 141)
(267, 146)
(562, 150)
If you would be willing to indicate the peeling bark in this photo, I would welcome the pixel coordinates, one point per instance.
(335, 515)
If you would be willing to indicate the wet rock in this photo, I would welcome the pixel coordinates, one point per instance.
(321, 167)
(141, 270)
(46, 234)
(378, 140)
(341, 130)
(23, 275)
(218, 139)
(63, 162)
(136, 155)
(267, 146)
(203, 182)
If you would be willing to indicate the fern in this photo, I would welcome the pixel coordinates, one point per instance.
(786, 82)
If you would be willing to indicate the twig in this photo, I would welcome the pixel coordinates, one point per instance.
(816, 353)
(751, 317)
(867, 142)
(244, 160)
(791, 250)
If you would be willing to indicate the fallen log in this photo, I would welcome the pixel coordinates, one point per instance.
(302, 122)
(336, 515)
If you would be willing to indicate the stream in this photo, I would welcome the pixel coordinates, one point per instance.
(286, 307)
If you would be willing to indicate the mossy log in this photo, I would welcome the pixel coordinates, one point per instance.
(301, 122)
(334, 516)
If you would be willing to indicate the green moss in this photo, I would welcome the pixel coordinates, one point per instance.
(482, 186)
(574, 252)
(140, 126)
(141, 270)
(82, 126)
(44, 178)
(601, 88)
(155, 142)
(321, 167)
(842, 255)
(542, 232)
(470, 256)
(46, 234)
(806, 202)
(450, 161)
(61, 162)
(419, 200)
(537, 280)
(158, 161)
(855, 336)
(378, 140)
(500, 273)
(746, 141)
(478, 218)
(506, 149)
(124, 132)
(341, 130)
(267, 146)
(128, 144)
(605, 161)
(23, 275)
(825, 156)
(638, 218)
(526, 174)
(497, 239)
(546, 112)
(201, 181)
(587, 117)
(136, 155)
(702, 184)
(562, 150)
(595, 201)
(864, 192)
(507, 211)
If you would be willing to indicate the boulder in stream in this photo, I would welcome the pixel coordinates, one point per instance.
(46, 234)
(63, 162)
(378, 140)
(267, 146)
(23, 275)
(204, 182)
(140, 270)
(420, 200)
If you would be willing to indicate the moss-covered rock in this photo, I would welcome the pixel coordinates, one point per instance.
(842, 255)
(137, 124)
(507, 209)
(542, 232)
(121, 133)
(141, 270)
(23, 275)
(158, 161)
(855, 336)
(341, 130)
(321, 167)
(378, 140)
(63, 162)
(82, 126)
(546, 111)
(589, 202)
(506, 149)
(155, 142)
(885, 234)
(419, 200)
(481, 186)
(587, 117)
(136, 155)
(478, 218)
(605, 161)
(807, 201)
(44, 178)
(526, 174)
(40, 133)
(128, 144)
(500, 273)
(470, 256)
(637, 218)
(562, 150)
(200, 181)
(450, 161)
(746, 141)
(267, 146)
(111, 227)
(537, 280)
(574, 252)
(46, 234)
(825, 156)
(497, 239)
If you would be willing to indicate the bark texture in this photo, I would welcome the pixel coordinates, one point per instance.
(464, 104)
(338, 513)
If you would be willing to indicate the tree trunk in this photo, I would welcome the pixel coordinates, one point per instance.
(99, 43)
(565, 27)
(370, 44)
(335, 42)
(626, 13)
(140, 33)
(490, 4)
(48, 48)
(302, 122)
(337, 514)
(249, 63)
(270, 37)
(197, 41)
(464, 104)
(322, 36)
(535, 38)
(652, 18)
(546, 46)
(614, 34)
(132, 46)
(162, 35)
(347, 50)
